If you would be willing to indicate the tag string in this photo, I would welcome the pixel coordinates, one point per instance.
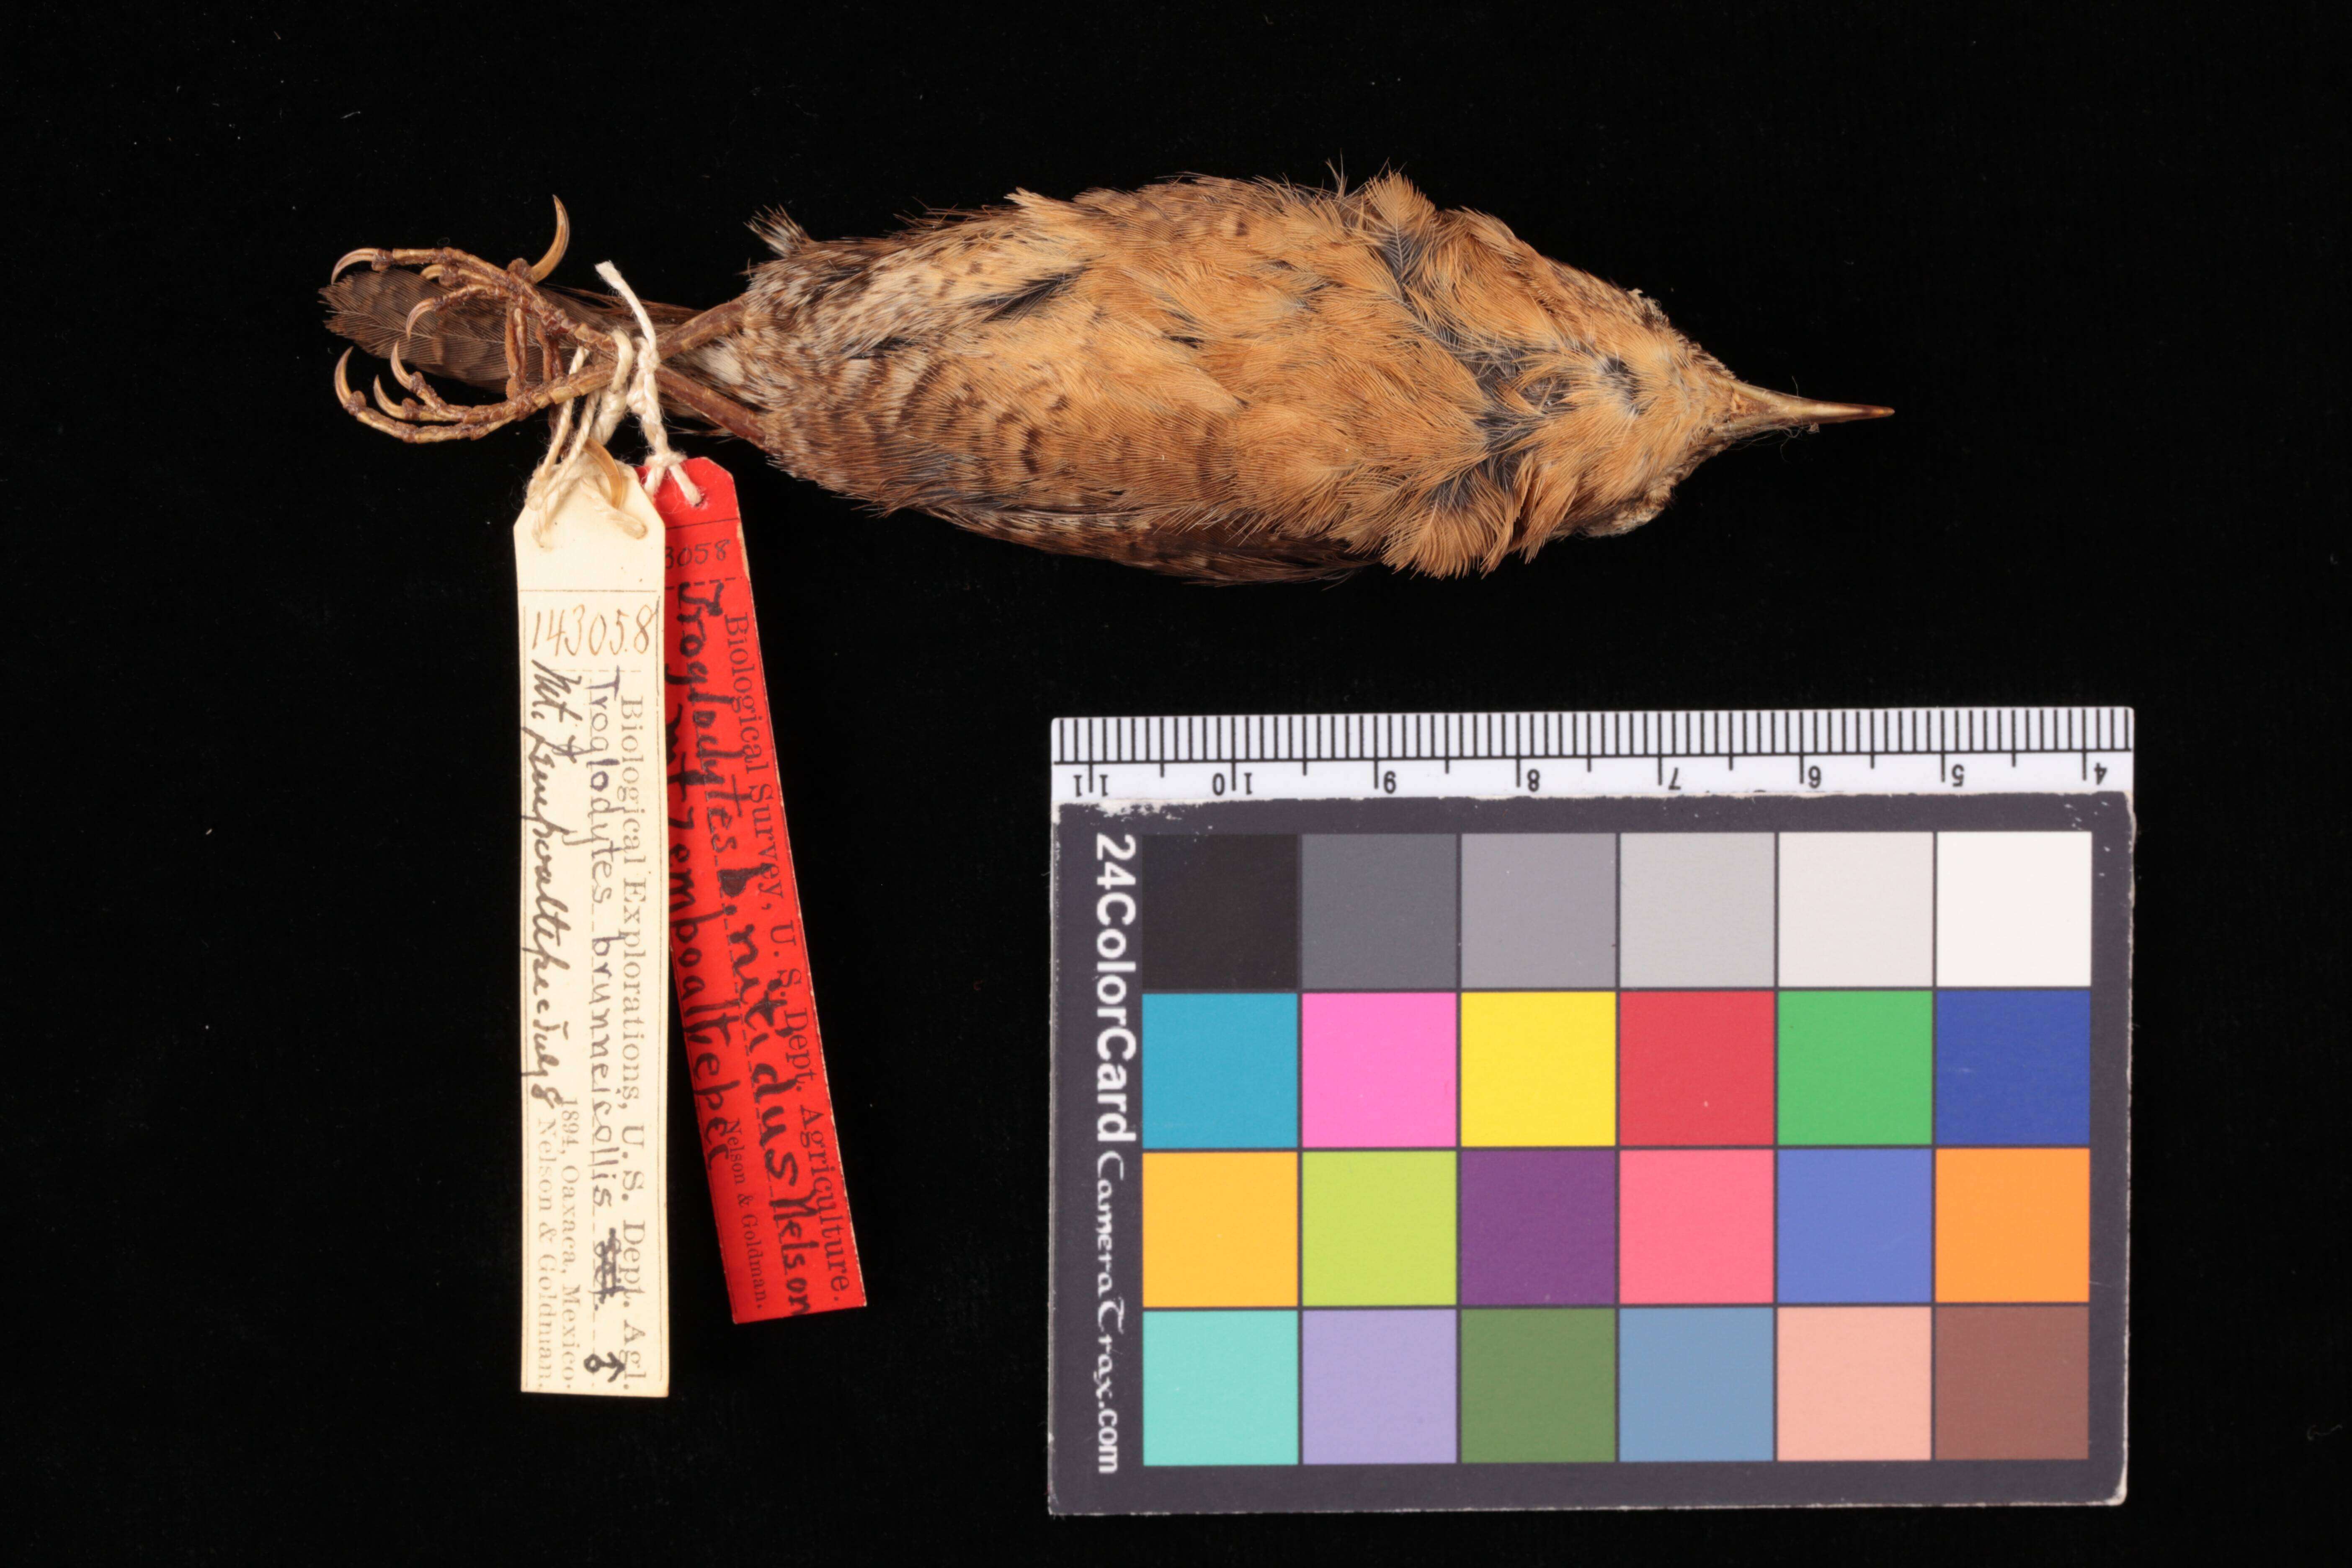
(644, 396)
(634, 389)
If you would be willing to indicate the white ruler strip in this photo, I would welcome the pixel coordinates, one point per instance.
(595, 952)
(1877, 751)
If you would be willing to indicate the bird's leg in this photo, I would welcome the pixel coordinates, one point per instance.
(463, 422)
(704, 404)
(530, 316)
(533, 320)
(696, 331)
(429, 418)
(701, 401)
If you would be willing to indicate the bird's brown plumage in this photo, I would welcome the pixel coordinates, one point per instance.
(1232, 382)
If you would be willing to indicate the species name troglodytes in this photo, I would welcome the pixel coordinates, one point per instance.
(1228, 380)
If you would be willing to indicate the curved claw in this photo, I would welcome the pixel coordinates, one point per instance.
(433, 411)
(376, 256)
(352, 401)
(435, 407)
(563, 241)
(409, 380)
(430, 302)
(449, 421)
(616, 483)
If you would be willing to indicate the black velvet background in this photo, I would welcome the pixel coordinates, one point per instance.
(261, 1143)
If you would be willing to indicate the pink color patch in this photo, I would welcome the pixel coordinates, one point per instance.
(1376, 1070)
(1855, 1383)
(1695, 1225)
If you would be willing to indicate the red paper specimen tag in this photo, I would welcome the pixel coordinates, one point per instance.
(747, 1017)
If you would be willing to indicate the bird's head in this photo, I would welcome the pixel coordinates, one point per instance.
(1623, 406)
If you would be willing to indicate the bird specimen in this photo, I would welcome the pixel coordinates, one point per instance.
(1227, 381)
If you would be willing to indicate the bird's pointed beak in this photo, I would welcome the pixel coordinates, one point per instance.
(1755, 410)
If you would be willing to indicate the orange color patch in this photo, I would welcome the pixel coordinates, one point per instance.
(1220, 1229)
(2012, 1224)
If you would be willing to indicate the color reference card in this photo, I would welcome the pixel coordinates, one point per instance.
(1443, 1153)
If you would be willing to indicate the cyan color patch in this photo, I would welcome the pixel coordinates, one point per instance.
(1695, 1382)
(1220, 1070)
(2013, 1066)
(1221, 1388)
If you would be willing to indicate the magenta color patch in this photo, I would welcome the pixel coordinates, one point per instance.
(1376, 1070)
(1695, 1225)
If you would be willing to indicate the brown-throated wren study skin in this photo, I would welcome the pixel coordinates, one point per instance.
(1227, 381)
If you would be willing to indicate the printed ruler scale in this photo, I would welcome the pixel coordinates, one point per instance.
(1591, 1109)
(1866, 749)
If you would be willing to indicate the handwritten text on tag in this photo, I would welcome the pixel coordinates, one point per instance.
(595, 1004)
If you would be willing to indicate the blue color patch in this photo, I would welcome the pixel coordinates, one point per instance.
(1857, 1224)
(1220, 1388)
(1221, 1070)
(1695, 1382)
(2013, 1066)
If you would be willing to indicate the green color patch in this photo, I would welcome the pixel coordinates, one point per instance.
(1538, 1385)
(1376, 1228)
(1857, 1066)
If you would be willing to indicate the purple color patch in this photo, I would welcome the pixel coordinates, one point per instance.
(1377, 1387)
(1538, 1228)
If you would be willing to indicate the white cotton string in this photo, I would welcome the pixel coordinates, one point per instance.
(644, 396)
(561, 467)
(634, 389)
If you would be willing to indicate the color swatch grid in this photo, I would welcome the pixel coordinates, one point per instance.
(1522, 1148)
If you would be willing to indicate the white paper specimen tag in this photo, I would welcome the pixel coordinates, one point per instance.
(595, 948)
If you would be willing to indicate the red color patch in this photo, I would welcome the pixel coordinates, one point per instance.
(1695, 1067)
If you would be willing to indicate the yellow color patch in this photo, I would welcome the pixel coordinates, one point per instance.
(1220, 1229)
(1539, 1068)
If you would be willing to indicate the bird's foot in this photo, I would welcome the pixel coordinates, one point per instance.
(533, 320)
(573, 355)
